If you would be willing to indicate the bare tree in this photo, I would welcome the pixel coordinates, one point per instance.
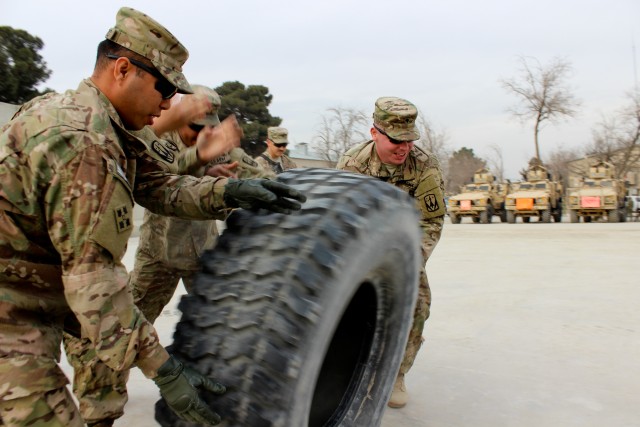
(560, 164)
(462, 165)
(495, 161)
(616, 138)
(340, 129)
(433, 141)
(543, 93)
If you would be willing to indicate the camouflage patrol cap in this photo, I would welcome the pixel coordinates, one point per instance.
(396, 117)
(211, 119)
(278, 135)
(144, 36)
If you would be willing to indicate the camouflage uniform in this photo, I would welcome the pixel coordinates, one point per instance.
(421, 177)
(70, 172)
(169, 249)
(277, 135)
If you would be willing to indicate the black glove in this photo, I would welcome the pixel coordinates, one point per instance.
(179, 387)
(262, 194)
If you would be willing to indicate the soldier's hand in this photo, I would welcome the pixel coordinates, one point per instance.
(262, 194)
(227, 170)
(179, 387)
(216, 141)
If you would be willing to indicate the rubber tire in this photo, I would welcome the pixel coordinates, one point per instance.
(305, 317)
(455, 219)
(485, 217)
(511, 217)
(613, 215)
(545, 216)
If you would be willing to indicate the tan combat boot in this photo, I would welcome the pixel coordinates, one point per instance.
(399, 396)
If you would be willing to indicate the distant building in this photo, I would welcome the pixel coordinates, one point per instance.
(307, 158)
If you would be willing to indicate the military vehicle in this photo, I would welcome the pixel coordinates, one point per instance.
(600, 196)
(480, 200)
(538, 197)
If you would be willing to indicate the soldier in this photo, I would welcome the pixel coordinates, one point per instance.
(391, 156)
(70, 168)
(168, 250)
(274, 158)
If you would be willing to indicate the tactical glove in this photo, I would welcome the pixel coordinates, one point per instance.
(262, 194)
(179, 387)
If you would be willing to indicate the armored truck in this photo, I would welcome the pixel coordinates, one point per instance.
(479, 200)
(538, 197)
(600, 196)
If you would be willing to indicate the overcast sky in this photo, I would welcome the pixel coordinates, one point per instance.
(447, 57)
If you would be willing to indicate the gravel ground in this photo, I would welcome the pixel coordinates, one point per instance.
(532, 325)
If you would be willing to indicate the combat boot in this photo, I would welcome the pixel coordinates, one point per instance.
(399, 396)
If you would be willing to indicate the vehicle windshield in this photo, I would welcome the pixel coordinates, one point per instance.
(525, 186)
(541, 185)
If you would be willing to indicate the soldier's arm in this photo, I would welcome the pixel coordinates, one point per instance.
(430, 199)
(87, 205)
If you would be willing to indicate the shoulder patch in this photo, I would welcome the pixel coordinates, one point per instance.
(165, 149)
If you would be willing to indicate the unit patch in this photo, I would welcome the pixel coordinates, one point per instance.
(431, 203)
(165, 149)
(123, 218)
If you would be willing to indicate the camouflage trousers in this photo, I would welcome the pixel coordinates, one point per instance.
(101, 391)
(420, 316)
(53, 408)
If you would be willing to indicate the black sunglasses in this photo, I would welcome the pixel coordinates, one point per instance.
(281, 144)
(391, 140)
(196, 128)
(166, 89)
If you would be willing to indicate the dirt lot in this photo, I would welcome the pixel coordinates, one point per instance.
(532, 325)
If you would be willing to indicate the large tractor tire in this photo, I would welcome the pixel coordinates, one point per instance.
(305, 317)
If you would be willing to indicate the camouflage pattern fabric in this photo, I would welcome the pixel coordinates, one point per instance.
(279, 165)
(169, 250)
(54, 408)
(421, 177)
(70, 172)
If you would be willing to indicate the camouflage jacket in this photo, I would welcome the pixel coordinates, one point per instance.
(268, 163)
(178, 243)
(69, 174)
(419, 175)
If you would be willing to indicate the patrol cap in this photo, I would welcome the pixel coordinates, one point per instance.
(396, 117)
(144, 36)
(278, 135)
(211, 119)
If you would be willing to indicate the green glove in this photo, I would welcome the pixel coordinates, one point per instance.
(179, 387)
(262, 194)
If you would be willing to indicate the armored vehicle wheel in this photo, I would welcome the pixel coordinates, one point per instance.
(546, 215)
(455, 219)
(614, 215)
(485, 217)
(305, 317)
(511, 217)
(475, 219)
(503, 216)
